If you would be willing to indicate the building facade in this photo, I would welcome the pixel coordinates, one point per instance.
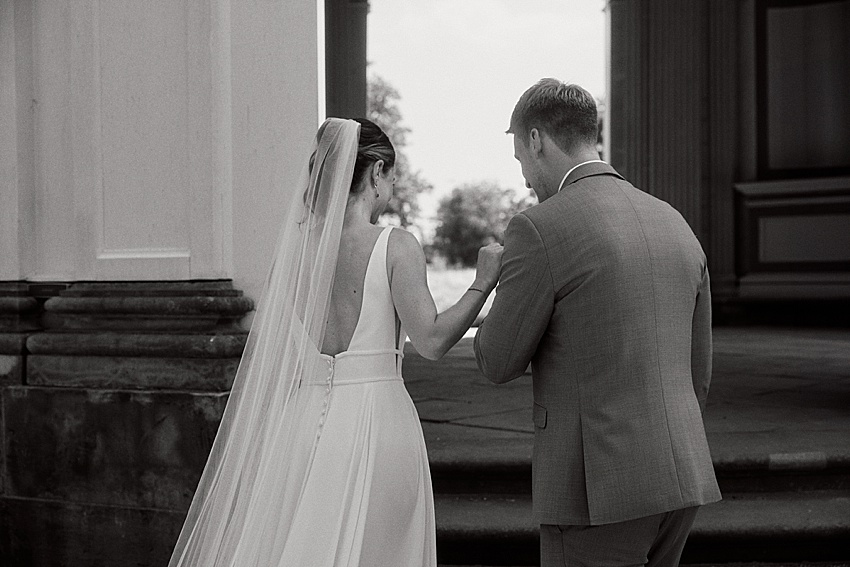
(735, 111)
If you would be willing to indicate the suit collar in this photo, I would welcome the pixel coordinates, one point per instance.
(589, 170)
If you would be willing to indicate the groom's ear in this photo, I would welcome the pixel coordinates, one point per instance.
(535, 141)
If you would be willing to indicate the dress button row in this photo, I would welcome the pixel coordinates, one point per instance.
(327, 395)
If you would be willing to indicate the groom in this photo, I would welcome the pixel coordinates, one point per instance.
(604, 290)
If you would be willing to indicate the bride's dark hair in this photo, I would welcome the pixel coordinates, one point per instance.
(373, 145)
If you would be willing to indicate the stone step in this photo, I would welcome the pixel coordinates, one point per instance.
(775, 564)
(498, 529)
(747, 564)
(778, 472)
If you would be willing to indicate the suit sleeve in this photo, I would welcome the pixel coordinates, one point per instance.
(701, 342)
(508, 338)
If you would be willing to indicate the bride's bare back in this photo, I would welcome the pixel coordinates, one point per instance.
(355, 250)
(432, 334)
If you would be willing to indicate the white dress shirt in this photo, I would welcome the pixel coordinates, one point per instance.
(561, 186)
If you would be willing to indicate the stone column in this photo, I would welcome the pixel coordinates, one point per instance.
(673, 113)
(345, 57)
(725, 157)
(658, 103)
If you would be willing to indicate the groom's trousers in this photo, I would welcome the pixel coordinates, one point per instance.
(655, 541)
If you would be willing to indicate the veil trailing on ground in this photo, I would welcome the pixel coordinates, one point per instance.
(241, 502)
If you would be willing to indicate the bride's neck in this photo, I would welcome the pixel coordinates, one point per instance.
(358, 211)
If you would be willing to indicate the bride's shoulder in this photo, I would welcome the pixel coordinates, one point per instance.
(403, 245)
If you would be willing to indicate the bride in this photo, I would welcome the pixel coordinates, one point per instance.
(319, 459)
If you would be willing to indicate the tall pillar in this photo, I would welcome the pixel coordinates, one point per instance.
(725, 147)
(659, 75)
(275, 114)
(345, 59)
(673, 113)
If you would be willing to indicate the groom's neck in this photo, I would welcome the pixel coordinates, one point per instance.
(580, 155)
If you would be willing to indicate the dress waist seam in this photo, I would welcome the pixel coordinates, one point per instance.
(363, 353)
(341, 381)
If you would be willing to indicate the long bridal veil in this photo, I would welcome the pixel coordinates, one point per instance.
(240, 508)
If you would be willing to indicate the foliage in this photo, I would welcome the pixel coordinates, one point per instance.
(448, 286)
(384, 111)
(475, 214)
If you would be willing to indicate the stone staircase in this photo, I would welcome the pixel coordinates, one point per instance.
(781, 453)
(484, 517)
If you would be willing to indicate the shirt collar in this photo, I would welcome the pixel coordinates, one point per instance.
(561, 186)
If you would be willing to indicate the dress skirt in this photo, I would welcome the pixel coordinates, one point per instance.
(366, 497)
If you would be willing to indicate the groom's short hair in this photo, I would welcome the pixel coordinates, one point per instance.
(566, 112)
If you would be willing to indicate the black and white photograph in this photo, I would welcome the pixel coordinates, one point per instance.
(424, 283)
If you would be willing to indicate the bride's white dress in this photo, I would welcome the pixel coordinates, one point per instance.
(366, 497)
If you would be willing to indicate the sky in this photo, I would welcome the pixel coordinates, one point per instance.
(461, 65)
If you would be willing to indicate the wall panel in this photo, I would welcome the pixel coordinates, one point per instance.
(130, 138)
(152, 140)
(145, 125)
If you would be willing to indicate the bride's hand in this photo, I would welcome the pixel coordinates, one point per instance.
(489, 265)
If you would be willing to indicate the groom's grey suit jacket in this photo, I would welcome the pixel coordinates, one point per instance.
(605, 290)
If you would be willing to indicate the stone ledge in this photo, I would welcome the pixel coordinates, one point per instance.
(18, 312)
(145, 314)
(190, 305)
(212, 288)
(14, 288)
(95, 322)
(131, 373)
(139, 306)
(126, 344)
(17, 304)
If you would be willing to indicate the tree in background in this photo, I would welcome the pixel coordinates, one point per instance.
(383, 110)
(475, 214)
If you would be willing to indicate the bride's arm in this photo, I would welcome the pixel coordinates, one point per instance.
(433, 334)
